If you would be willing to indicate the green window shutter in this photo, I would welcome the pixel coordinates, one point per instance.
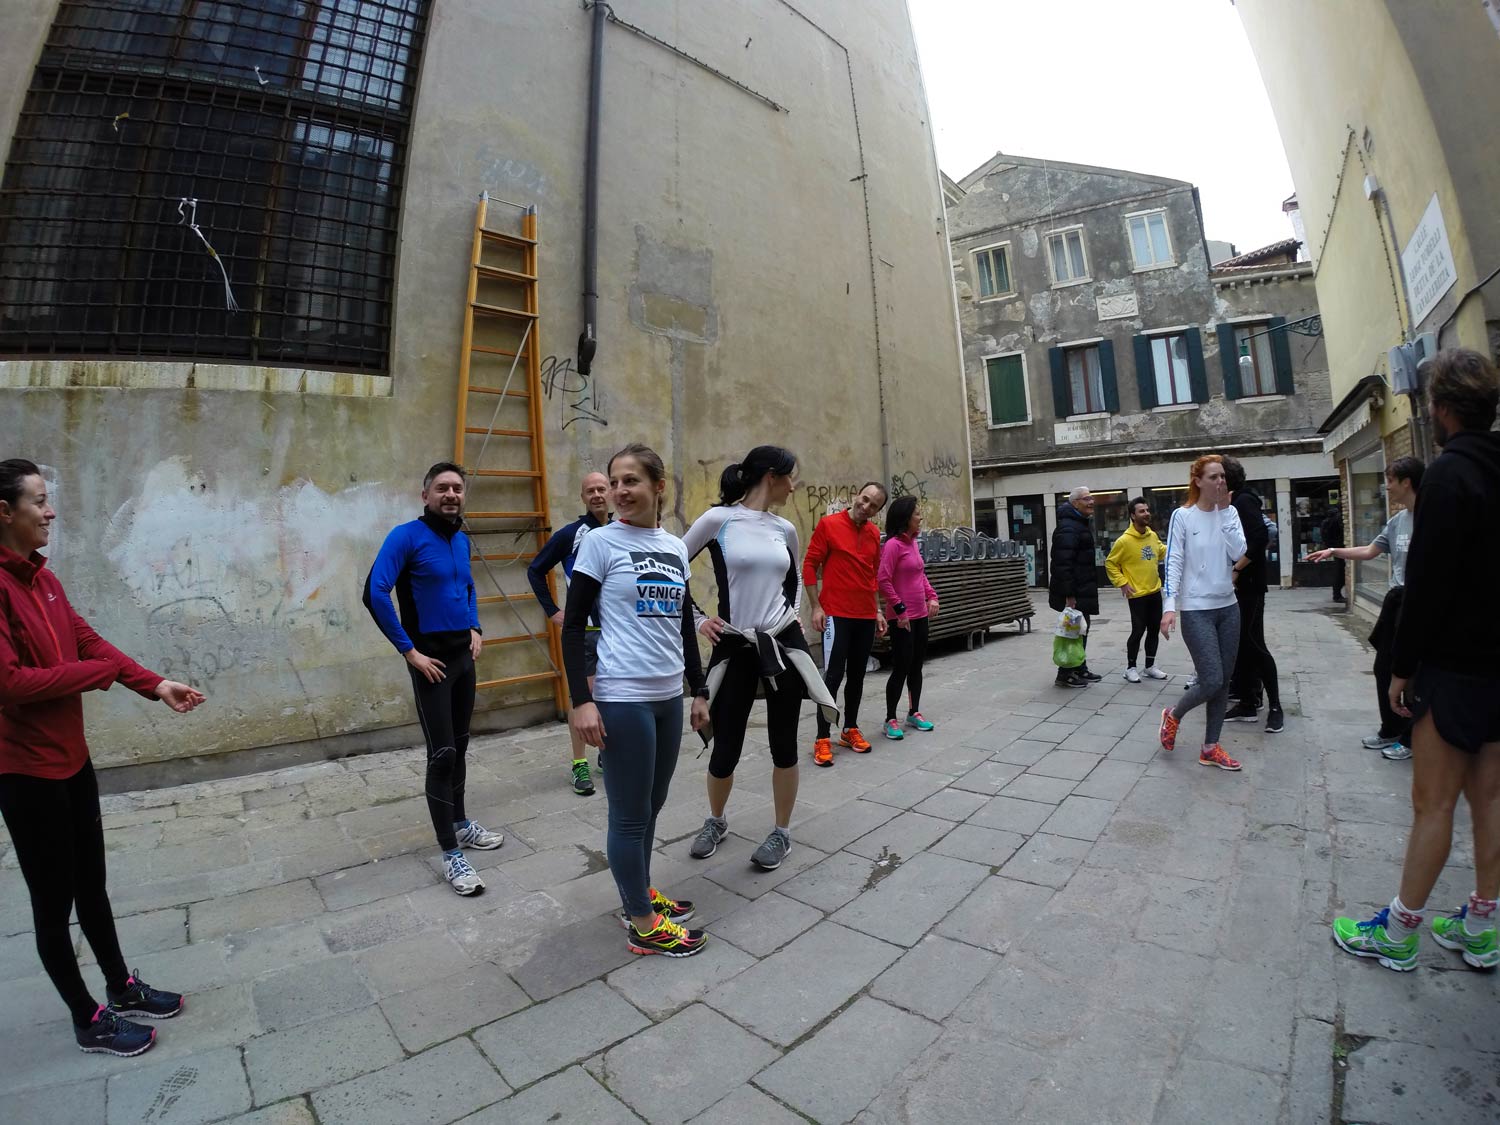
(1107, 376)
(1229, 360)
(1281, 356)
(1197, 374)
(1145, 372)
(1007, 389)
(1062, 393)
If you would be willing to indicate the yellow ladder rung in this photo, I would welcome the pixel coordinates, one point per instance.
(506, 681)
(505, 515)
(491, 599)
(487, 350)
(505, 472)
(488, 641)
(478, 390)
(496, 273)
(496, 433)
(500, 310)
(507, 239)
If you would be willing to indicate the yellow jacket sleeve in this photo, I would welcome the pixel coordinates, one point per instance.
(1112, 563)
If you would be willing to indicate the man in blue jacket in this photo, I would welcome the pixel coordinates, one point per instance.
(563, 548)
(426, 563)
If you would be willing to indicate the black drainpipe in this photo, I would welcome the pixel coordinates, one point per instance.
(587, 339)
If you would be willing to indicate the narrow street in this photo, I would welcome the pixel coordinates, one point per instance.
(1028, 915)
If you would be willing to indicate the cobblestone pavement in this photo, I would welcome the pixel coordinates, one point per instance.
(1027, 915)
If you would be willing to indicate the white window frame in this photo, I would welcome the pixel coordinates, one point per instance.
(1010, 273)
(1079, 345)
(1167, 334)
(989, 407)
(1166, 229)
(1256, 324)
(1083, 246)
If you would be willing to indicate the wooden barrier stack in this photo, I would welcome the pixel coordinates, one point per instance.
(975, 595)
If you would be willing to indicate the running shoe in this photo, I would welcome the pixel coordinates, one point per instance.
(823, 752)
(601, 759)
(1168, 730)
(1369, 939)
(1397, 753)
(108, 1034)
(477, 836)
(855, 740)
(707, 841)
(140, 999)
(1215, 756)
(1071, 679)
(1481, 950)
(1240, 713)
(1190, 683)
(892, 730)
(1132, 676)
(462, 876)
(915, 720)
(1275, 721)
(583, 784)
(669, 908)
(772, 851)
(668, 938)
(1378, 742)
(1154, 673)
(1091, 677)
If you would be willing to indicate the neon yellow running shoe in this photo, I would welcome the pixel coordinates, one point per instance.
(1481, 951)
(1369, 939)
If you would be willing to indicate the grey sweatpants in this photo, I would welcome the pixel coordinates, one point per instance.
(1212, 637)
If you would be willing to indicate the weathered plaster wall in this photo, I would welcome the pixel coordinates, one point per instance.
(224, 535)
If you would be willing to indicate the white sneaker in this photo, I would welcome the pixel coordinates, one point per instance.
(479, 837)
(463, 878)
(1155, 673)
(1132, 676)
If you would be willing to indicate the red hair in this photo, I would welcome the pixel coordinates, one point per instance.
(1197, 471)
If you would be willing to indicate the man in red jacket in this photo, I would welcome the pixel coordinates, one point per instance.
(845, 549)
(49, 796)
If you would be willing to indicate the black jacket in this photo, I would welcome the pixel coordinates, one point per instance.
(1252, 579)
(1073, 573)
(1332, 528)
(1450, 566)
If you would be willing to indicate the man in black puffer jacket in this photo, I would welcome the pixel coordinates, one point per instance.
(1074, 578)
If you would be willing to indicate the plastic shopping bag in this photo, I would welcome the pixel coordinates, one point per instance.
(1069, 624)
(1067, 642)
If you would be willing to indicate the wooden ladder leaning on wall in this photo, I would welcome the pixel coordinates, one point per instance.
(500, 367)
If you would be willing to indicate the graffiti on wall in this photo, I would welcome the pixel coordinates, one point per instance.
(576, 394)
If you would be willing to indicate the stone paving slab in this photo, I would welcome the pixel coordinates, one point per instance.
(558, 1032)
(572, 1095)
(435, 1087)
(321, 1053)
(206, 1087)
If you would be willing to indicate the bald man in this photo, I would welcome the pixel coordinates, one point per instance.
(563, 548)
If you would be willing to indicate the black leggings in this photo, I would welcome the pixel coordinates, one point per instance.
(908, 650)
(1145, 619)
(853, 638)
(444, 710)
(1254, 666)
(59, 841)
(731, 711)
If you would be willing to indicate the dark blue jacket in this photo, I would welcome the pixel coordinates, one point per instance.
(561, 548)
(426, 562)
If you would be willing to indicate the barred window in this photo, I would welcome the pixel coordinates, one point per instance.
(210, 179)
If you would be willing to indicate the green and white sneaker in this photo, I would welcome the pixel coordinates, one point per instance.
(1369, 939)
(914, 719)
(1481, 951)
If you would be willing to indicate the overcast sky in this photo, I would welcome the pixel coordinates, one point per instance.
(1167, 87)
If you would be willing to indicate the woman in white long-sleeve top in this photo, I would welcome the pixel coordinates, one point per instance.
(1205, 550)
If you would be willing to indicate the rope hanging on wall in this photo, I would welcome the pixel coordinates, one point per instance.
(190, 219)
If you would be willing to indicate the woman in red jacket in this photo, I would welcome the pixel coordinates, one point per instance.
(49, 796)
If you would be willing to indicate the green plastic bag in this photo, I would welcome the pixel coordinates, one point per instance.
(1067, 652)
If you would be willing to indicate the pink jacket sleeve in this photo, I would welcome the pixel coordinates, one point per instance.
(883, 576)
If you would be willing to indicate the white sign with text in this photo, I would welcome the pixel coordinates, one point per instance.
(1428, 262)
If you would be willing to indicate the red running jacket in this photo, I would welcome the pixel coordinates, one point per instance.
(48, 657)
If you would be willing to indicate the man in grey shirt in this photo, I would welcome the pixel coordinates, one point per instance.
(1402, 479)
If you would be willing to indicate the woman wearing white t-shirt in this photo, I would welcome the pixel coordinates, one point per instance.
(1205, 549)
(636, 576)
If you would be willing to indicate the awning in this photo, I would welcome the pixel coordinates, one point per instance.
(1352, 414)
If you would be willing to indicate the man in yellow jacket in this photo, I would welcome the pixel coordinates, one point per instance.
(1133, 566)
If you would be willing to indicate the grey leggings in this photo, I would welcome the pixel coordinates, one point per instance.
(1213, 638)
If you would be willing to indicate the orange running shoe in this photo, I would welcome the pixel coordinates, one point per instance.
(1215, 756)
(1168, 732)
(856, 741)
(823, 752)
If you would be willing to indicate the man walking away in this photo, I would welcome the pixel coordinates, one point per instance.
(1134, 566)
(426, 563)
(1445, 665)
(563, 548)
(1254, 666)
(1333, 536)
(1074, 580)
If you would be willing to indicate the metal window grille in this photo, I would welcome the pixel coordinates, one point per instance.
(286, 120)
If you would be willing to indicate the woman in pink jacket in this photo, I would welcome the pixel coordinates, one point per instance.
(910, 602)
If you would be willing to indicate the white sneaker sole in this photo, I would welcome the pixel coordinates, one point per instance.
(1381, 957)
(121, 1054)
(467, 890)
(490, 844)
(1469, 959)
(772, 866)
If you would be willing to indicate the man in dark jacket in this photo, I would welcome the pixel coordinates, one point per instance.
(1254, 667)
(1333, 536)
(1074, 578)
(1445, 664)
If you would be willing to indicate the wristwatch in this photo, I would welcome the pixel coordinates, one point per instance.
(900, 608)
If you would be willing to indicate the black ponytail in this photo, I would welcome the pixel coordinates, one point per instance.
(740, 477)
(12, 473)
(899, 517)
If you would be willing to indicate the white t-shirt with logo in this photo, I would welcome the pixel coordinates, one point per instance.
(642, 574)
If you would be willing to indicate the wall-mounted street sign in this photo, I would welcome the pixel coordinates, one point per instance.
(1428, 263)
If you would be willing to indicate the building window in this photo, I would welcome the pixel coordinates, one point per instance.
(1150, 244)
(992, 265)
(1066, 252)
(274, 133)
(1262, 381)
(1009, 402)
(1169, 362)
(986, 521)
(1086, 380)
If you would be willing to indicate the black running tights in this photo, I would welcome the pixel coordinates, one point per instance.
(908, 650)
(853, 637)
(59, 840)
(444, 709)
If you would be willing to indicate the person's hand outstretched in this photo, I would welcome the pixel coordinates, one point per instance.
(180, 697)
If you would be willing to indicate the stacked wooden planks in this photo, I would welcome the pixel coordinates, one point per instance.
(976, 594)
